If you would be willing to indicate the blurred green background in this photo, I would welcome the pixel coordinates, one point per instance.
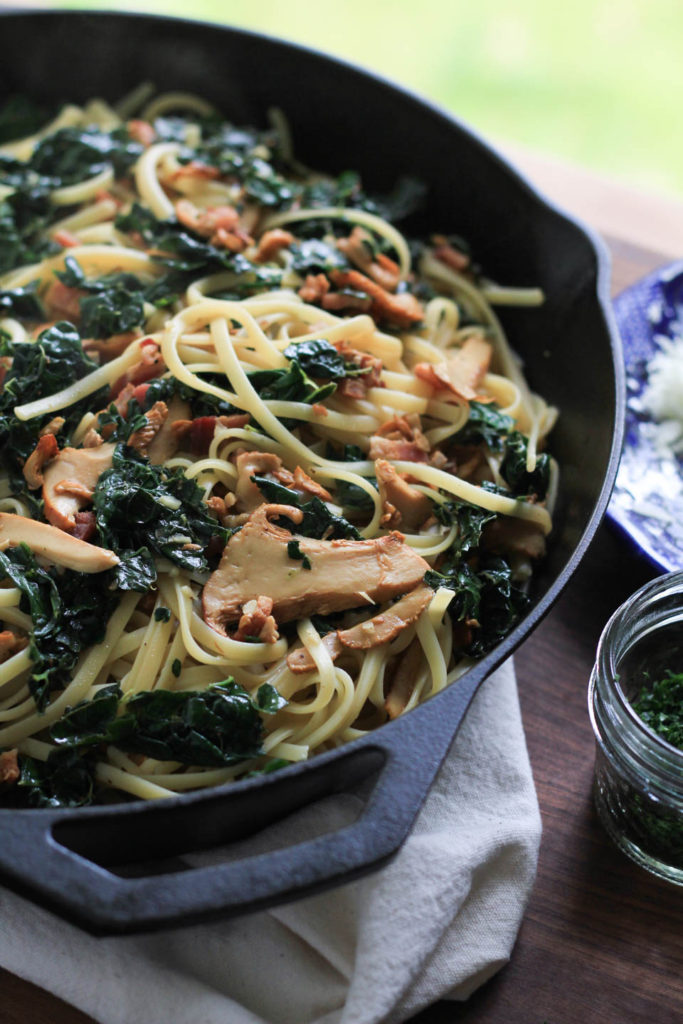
(597, 82)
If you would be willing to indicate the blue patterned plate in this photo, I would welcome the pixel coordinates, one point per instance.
(647, 502)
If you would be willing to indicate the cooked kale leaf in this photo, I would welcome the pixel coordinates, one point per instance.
(66, 779)
(70, 155)
(320, 360)
(318, 521)
(143, 510)
(69, 612)
(486, 425)
(21, 302)
(514, 472)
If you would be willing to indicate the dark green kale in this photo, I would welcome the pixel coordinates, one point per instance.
(320, 360)
(485, 425)
(114, 305)
(240, 154)
(22, 302)
(318, 521)
(70, 155)
(38, 369)
(69, 612)
(144, 510)
(217, 726)
(661, 707)
(514, 472)
(24, 215)
(351, 496)
(470, 521)
(485, 594)
(295, 552)
(315, 256)
(66, 779)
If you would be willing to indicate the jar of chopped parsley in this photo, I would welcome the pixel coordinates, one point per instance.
(636, 708)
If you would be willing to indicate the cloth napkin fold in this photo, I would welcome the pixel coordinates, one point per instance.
(435, 923)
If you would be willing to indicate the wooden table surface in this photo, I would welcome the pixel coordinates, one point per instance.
(601, 941)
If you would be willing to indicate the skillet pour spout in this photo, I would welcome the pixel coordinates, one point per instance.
(123, 868)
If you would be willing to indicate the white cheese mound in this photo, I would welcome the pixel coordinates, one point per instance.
(662, 396)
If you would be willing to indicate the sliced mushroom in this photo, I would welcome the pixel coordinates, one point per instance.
(380, 629)
(53, 544)
(166, 441)
(250, 464)
(410, 507)
(463, 372)
(343, 573)
(70, 481)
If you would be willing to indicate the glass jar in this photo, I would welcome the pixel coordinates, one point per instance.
(638, 785)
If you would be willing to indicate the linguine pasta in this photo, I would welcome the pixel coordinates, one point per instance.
(270, 473)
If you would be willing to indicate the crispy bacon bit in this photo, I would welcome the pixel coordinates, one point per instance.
(10, 644)
(45, 450)
(446, 253)
(155, 418)
(256, 621)
(66, 239)
(200, 431)
(9, 767)
(400, 440)
(109, 348)
(314, 288)
(303, 482)
(151, 365)
(63, 302)
(141, 131)
(93, 439)
(271, 243)
(319, 409)
(357, 387)
(402, 310)
(220, 224)
(85, 524)
(334, 301)
(196, 169)
(54, 426)
(359, 250)
(463, 372)
(221, 508)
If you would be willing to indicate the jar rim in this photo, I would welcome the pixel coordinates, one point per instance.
(668, 586)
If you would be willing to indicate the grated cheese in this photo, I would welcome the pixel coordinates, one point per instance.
(662, 396)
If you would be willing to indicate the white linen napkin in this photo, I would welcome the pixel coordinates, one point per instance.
(435, 923)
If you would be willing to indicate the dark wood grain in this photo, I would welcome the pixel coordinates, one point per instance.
(602, 941)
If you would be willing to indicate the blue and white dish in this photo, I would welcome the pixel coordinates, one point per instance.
(647, 502)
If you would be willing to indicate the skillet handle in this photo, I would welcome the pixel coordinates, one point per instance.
(35, 861)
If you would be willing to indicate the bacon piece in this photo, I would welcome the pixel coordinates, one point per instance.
(303, 483)
(155, 418)
(200, 431)
(359, 250)
(314, 288)
(151, 365)
(63, 302)
(109, 348)
(256, 621)
(334, 301)
(84, 526)
(196, 169)
(10, 644)
(401, 440)
(66, 239)
(9, 767)
(45, 450)
(141, 131)
(357, 387)
(271, 242)
(342, 573)
(220, 224)
(446, 253)
(463, 372)
(402, 310)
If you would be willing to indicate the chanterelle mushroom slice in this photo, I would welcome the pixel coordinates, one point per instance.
(343, 573)
(403, 504)
(54, 545)
(69, 482)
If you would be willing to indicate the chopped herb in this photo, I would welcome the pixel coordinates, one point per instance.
(176, 667)
(162, 614)
(295, 552)
(661, 707)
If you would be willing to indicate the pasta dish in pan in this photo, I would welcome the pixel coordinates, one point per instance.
(270, 474)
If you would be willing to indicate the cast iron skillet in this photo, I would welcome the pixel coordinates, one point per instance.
(71, 861)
